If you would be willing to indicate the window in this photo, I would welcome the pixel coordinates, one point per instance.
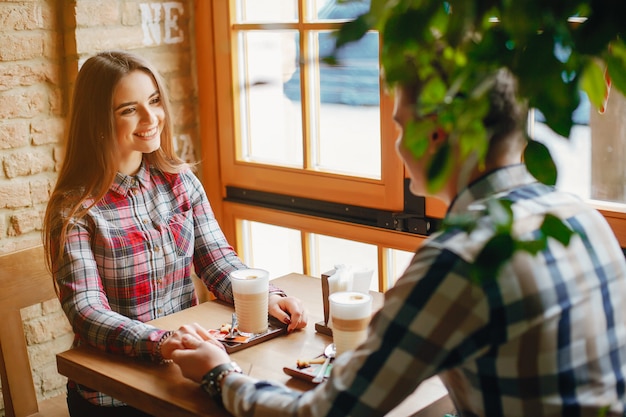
(590, 162)
(280, 124)
(284, 242)
(291, 127)
(297, 126)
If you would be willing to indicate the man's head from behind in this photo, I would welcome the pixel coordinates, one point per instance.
(503, 123)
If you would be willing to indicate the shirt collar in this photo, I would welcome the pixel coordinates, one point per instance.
(495, 182)
(123, 183)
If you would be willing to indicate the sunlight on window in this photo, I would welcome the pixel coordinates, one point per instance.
(274, 248)
(271, 125)
(327, 252)
(590, 161)
(397, 262)
(266, 10)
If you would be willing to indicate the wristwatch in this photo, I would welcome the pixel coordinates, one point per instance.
(212, 381)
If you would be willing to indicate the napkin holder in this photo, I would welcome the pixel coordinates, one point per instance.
(324, 326)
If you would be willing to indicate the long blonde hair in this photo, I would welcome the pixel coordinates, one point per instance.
(90, 162)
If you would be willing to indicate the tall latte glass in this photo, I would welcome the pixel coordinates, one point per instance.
(350, 313)
(250, 290)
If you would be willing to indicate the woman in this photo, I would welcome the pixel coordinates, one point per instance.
(125, 222)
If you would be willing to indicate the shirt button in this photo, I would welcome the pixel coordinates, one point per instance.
(145, 221)
(156, 248)
(160, 311)
(159, 281)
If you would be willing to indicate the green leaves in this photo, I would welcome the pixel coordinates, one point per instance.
(494, 254)
(416, 138)
(450, 47)
(539, 162)
(439, 168)
(616, 62)
(352, 30)
(554, 227)
(593, 83)
(503, 244)
(501, 215)
(449, 50)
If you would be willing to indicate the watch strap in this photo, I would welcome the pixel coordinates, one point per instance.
(212, 381)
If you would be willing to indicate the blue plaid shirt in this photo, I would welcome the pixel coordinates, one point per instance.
(545, 338)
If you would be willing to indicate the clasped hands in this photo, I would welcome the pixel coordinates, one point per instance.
(197, 352)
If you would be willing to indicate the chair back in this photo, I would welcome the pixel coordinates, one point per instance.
(24, 281)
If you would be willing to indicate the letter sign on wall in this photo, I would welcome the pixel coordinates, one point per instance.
(151, 22)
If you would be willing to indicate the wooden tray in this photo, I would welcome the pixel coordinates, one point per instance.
(274, 329)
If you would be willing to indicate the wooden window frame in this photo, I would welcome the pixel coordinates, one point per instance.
(234, 213)
(217, 119)
(385, 193)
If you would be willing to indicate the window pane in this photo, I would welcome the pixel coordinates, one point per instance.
(267, 10)
(334, 10)
(344, 107)
(572, 156)
(608, 150)
(327, 251)
(274, 248)
(589, 162)
(349, 125)
(271, 125)
(397, 262)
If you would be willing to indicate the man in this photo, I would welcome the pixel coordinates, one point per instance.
(545, 337)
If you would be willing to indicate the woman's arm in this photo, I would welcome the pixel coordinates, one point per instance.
(87, 307)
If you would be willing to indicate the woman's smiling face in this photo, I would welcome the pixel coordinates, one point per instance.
(139, 118)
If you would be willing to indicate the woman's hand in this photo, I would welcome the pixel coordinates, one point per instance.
(288, 310)
(196, 357)
(175, 341)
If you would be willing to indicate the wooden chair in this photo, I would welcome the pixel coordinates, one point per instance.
(24, 281)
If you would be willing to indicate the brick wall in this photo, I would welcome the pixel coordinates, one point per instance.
(43, 44)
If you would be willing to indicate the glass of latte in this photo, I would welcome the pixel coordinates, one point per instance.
(350, 313)
(250, 291)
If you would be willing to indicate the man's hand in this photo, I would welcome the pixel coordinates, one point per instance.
(175, 341)
(196, 357)
(288, 310)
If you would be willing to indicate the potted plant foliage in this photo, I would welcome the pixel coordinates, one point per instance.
(453, 48)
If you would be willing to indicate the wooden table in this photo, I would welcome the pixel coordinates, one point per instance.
(161, 390)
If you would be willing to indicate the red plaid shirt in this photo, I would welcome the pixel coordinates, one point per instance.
(129, 261)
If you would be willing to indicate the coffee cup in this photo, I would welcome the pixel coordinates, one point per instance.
(250, 291)
(350, 313)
